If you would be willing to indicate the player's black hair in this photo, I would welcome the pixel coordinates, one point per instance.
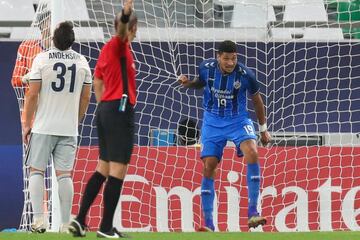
(132, 21)
(227, 46)
(64, 36)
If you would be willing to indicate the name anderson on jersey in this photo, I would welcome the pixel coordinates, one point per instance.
(62, 55)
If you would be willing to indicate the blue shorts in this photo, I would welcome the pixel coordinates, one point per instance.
(215, 132)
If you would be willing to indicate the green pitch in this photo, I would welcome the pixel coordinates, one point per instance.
(197, 236)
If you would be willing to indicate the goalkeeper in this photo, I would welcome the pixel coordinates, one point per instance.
(226, 82)
(115, 91)
(28, 49)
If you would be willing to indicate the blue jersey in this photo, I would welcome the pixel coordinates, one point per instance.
(225, 94)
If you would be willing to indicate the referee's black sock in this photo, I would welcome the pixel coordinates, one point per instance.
(111, 198)
(91, 191)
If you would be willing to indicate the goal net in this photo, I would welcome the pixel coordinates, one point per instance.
(306, 56)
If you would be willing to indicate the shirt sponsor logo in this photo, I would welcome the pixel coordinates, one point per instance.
(222, 94)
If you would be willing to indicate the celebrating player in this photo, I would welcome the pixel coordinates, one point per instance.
(225, 82)
(59, 94)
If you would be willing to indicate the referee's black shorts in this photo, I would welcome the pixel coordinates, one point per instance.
(115, 131)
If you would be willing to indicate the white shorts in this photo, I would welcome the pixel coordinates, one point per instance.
(42, 147)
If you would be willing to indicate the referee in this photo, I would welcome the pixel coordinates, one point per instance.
(114, 86)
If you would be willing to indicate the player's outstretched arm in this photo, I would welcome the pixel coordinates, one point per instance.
(124, 19)
(185, 82)
(265, 137)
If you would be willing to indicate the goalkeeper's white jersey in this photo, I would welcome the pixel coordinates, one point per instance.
(62, 75)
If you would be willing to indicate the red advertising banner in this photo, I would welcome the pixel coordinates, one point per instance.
(303, 189)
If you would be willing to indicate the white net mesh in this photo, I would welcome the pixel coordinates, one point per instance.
(309, 76)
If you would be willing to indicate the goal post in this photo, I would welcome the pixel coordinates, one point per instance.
(308, 71)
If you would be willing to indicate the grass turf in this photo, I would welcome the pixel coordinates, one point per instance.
(197, 236)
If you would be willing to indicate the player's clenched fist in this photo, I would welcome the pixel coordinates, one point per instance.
(183, 80)
(265, 138)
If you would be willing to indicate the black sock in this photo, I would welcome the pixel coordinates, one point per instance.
(91, 191)
(111, 198)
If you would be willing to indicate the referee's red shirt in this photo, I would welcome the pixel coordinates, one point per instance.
(109, 70)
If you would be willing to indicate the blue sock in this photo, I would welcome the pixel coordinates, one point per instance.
(253, 182)
(207, 200)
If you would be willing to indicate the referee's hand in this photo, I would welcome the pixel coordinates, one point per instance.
(128, 6)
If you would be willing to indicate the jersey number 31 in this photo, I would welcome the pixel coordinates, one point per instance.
(59, 84)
